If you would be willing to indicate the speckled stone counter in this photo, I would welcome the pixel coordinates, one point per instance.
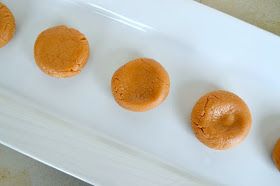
(262, 13)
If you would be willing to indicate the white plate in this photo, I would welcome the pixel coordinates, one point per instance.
(66, 122)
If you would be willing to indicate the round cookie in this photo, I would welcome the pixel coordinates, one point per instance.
(61, 51)
(140, 85)
(221, 119)
(276, 154)
(7, 25)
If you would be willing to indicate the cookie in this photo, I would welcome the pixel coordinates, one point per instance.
(221, 119)
(61, 51)
(7, 25)
(140, 85)
(276, 154)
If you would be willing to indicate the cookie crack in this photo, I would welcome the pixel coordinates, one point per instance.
(204, 110)
(206, 105)
(201, 128)
(6, 16)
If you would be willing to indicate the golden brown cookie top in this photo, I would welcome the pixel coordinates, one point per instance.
(61, 51)
(7, 25)
(221, 119)
(276, 154)
(140, 85)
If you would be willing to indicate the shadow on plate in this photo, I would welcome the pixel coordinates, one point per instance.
(186, 96)
(269, 132)
(105, 67)
(21, 10)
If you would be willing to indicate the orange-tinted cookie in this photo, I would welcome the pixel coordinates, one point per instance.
(61, 51)
(7, 25)
(140, 85)
(276, 154)
(221, 119)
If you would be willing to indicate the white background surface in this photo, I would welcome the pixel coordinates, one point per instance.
(199, 57)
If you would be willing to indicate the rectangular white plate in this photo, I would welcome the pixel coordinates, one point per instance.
(75, 125)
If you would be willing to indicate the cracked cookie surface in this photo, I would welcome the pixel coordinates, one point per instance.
(61, 51)
(7, 25)
(140, 85)
(221, 119)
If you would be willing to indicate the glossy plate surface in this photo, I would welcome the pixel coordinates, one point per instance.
(75, 125)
